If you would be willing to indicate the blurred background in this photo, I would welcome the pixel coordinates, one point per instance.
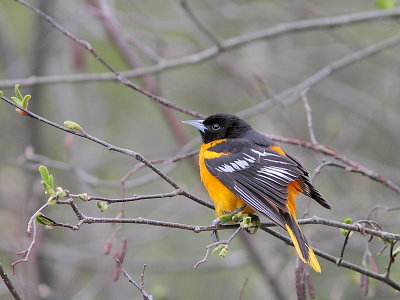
(356, 112)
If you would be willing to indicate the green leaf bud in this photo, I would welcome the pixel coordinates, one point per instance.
(73, 125)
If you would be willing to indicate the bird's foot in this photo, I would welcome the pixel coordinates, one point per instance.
(228, 217)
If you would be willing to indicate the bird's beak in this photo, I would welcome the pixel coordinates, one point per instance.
(198, 124)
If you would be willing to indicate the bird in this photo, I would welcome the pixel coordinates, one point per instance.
(245, 171)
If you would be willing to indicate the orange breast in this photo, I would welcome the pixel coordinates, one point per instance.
(224, 200)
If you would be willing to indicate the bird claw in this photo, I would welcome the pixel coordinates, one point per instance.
(228, 217)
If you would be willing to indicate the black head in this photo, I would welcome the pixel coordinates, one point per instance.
(220, 126)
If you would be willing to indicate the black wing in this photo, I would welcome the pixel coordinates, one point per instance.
(257, 175)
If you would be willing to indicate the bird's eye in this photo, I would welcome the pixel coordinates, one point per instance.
(215, 126)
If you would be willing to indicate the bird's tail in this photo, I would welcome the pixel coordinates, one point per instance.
(303, 249)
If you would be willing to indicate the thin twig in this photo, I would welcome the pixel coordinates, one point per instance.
(114, 148)
(391, 259)
(120, 77)
(31, 157)
(291, 95)
(355, 167)
(346, 240)
(307, 107)
(344, 263)
(201, 25)
(212, 246)
(145, 294)
(374, 210)
(144, 49)
(32, 227)
(27, 252)
(120, 256)
(9, 285)
(142, 276)
(130, 199)
(229, 44)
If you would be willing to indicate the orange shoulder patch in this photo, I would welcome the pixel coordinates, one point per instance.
(277, 149)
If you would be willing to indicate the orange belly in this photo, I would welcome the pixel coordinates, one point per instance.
(224, 200)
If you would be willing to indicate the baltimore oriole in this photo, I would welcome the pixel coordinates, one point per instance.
(241, 168)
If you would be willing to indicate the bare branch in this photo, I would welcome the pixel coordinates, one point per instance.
(114, 148)
(355, 167)
(351, 227)
(144, 49)
(121, 78)
(31, 157)
(9, 285)
(145, 294)
(201, 25)
(212, 246)
(27, 252)
(130, 199)
(120, 258)
(391, 259)
(345, 264)
(228, 45)
(290, 96)
(309, 117)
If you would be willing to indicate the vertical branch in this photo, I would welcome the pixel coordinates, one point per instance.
(309, 117)
(391, 259)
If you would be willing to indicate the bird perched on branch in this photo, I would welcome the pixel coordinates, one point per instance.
(245, 172)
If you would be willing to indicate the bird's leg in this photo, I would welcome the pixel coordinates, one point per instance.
(230, 216)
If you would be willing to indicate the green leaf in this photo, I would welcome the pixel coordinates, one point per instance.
(217, 249)
(51, 181)
(386, 4)
(386, 240)
(348, 220)
(1, 94)
(25, 101)
(396, 251)
(44, 172)
(345, 232)
(47, 181)
(17, 92)
(41, 219)
(16, 100)
(224, 251)
(73, 125)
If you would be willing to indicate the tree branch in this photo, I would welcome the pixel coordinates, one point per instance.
(140, 287)
(355, 167)
(114, 148)
(344, 263)
(291, 95)
(9, 285)
(201, 25)
(120, 77)
(207, 54)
